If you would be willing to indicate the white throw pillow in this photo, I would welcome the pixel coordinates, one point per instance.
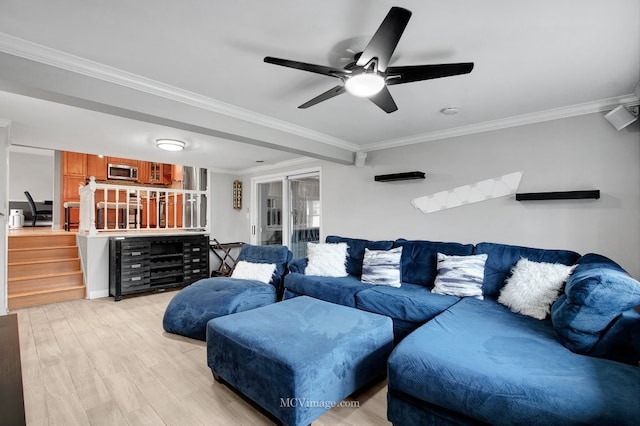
(533, 287)
(262, 272)
(382, 267)
(460, 276)
(327, 260)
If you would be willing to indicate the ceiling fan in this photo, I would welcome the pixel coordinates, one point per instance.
(368, 75)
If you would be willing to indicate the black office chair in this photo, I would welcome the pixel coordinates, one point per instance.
(46, 214)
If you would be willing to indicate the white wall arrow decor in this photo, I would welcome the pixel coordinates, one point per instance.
(500, 186)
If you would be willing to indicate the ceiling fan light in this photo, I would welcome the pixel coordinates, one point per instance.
(364, 85)
(170, 144)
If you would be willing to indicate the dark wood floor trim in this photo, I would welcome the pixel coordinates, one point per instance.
(12, 400)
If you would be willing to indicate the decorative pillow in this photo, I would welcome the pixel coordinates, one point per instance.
(460, 276)
(382, 267)
(533, 287)
(254, 271)
(326, 260)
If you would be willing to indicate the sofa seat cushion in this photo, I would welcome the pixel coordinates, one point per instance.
(587, 316)
(489, 364)
(193, 306)
(418, 263)
(355, 252)
(503, 257)
(409, 302)
(340, 290)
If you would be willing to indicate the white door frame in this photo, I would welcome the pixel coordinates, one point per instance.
(5, 134)
(283, 178)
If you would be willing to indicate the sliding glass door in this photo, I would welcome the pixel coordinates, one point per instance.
(286, 210)
(269, 224)
(305, 213)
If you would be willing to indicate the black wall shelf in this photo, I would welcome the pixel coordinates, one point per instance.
(559, 195)
(399, 176)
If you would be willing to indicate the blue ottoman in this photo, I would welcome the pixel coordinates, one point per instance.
(193, 306)
(298, 358)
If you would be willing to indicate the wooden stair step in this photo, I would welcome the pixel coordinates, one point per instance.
(26, 241)
(33, 298)
(49, 266)
(44, 282)
(34, 254)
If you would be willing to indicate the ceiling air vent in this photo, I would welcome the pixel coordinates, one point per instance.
(399, 176)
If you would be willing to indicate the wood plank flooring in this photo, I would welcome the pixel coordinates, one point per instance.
(100, 362)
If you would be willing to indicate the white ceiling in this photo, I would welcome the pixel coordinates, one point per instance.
(194, 71)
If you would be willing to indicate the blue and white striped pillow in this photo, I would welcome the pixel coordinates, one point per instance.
(460, 276)
(382, 267)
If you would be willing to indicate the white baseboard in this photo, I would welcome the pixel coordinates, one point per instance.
(98, 294)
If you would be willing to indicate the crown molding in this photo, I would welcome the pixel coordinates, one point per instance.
(53, 57)
(505, 123)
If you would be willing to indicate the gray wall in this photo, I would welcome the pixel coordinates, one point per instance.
(576, 153)
(33, 172)
(4, 209)
(227, 224)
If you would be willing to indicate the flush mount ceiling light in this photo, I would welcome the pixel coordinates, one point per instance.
(170, 144)
(365, 84)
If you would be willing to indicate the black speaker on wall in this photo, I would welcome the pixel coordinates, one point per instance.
(399, 176)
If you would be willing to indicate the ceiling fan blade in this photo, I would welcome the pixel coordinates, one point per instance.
(384, 100)
(386, 38)
(399, 75)
(338, 90)
(318, 69)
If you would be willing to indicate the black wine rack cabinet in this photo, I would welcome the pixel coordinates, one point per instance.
(145, 264)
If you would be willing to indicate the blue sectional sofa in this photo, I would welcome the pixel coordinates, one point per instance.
(470, 361)
(195, 305)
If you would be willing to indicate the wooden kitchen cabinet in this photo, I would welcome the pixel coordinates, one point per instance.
(122, 161)
(97, 166)
(153, 213)
(70, 185)
(174, 211)
(74, 164)
(144, 172)
(167, 178)
(176, 173)
(155, 172)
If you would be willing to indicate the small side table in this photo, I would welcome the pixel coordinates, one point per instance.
(223, 252)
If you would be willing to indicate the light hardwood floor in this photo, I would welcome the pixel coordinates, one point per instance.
(101, 362)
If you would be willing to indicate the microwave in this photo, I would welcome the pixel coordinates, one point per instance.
(122, 172)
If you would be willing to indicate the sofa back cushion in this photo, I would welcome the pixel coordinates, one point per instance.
(419, 263)
(595, 314)
(278, 255)
(355, 252)
(502, 257)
